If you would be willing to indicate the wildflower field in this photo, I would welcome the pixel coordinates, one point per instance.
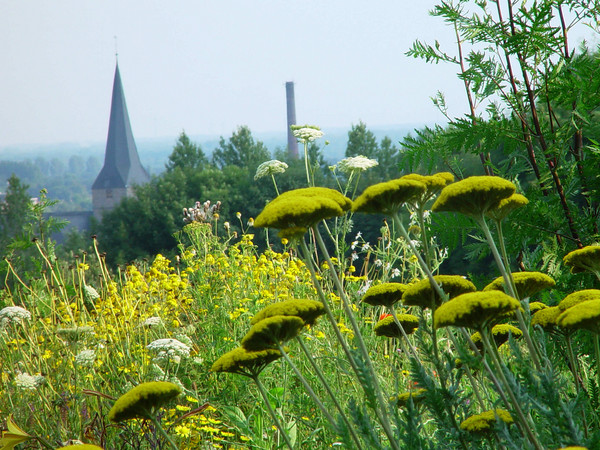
(228, 347)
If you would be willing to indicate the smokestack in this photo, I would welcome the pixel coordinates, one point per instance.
(291, 119)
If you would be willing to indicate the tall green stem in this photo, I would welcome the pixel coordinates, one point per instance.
(309, 390)
(162, 431)
(508, 282)
(325, 384)
(278, 424)
(382, 411)
(493, 352)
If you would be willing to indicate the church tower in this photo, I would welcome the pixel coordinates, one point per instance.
(122, 167)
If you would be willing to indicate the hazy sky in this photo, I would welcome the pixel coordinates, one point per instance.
(208, 66)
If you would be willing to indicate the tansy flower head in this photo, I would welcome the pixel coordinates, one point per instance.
(244, 362)
(474, 195)
(139, 401)
(433, 183)
(424, 295)
(546, 317)
(385, 294)
(584, 259)
(307, 310)
(506, 206)
(416, 395)
(270, 331)
(584, 315)
(388, 197)
(303, 208)
(578, 297)
(292, 233)
(474, 309)
(527, 283)
(389, 328)
(536, 306)
(485, 422)
(500, 334)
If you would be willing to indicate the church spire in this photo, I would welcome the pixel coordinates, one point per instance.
(122, 167)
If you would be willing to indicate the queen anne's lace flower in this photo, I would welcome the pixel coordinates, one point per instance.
(15, 314)
(85, 358)
(306, 133)
(151, 321)
(269, 168)
(356, 163)
(169, 349)
(28, 382)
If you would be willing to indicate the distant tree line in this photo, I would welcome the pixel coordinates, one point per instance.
(68, 181)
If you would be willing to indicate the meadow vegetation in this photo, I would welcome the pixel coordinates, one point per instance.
(287, 326)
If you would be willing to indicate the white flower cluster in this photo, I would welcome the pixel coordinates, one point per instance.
(85, 358)
(307, 133)
(90, 293)
(356, 163)
(15, 314)
(169, 349)
(269, 168)
(151, 321)
(28, 382)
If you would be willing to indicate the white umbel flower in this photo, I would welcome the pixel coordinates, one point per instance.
(151, 321)
(356, 163)
(307, 133)
(14, 314)
(91, 293)
(85, 358)
(270, 168)
(169, 349)
(28, 382)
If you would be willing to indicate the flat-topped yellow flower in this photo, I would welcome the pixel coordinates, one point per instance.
(307, 310)
(302, 208)
(546, 318)
(586, 259)
(389, 328)
(527, 283)
(500, 333)
(585, 315)
(536, 306)
(506, 206)
(245, 362)
(142, 399)
(388, 197)
(270, 332)
(433, 183)
(474, 309)
(486, 421)
(424, 295)
(578, 297)
(385, 294)
(403, 399)
(474, 195)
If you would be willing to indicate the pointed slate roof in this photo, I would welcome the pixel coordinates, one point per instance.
(122, 166)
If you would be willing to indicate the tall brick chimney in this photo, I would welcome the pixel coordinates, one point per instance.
(291, 119)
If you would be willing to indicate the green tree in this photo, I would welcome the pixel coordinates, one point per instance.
(361, 141)
(14, 211)
(240, 150)
(533, 101)
(186, 155)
